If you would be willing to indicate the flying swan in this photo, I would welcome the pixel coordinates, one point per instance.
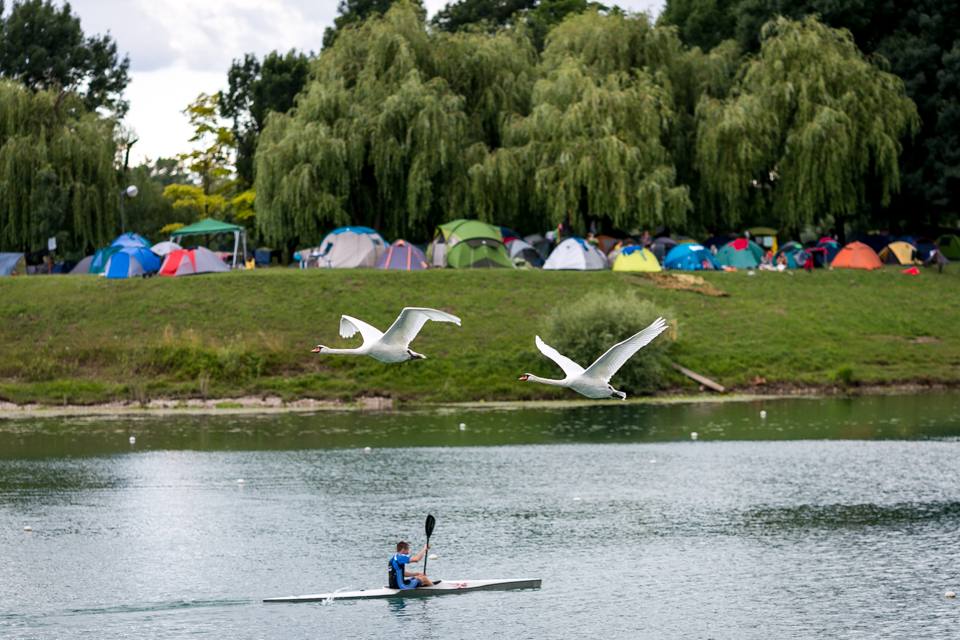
(594, 382)
(394, 345)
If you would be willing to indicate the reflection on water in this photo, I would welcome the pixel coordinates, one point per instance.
(832, 518)
(880, 417)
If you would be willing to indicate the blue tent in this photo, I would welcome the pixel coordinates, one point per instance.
(691, 257)
(130, 239)
(12, 263)
(132, 261)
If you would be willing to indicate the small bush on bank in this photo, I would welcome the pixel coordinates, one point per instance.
(585, 330)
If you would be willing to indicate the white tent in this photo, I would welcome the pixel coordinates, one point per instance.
(576, 254)
(186, 262)
(350, 247)
(165, 247)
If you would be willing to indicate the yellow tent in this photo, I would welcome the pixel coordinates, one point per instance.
(636, 258)
(898, 253)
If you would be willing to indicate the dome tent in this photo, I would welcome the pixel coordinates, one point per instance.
(349, 248)
(129, 262)
(793, 254)
(187, 262)
(402, 256)
(576, 254)
(636, 258)
(691, 257)
(856, 255)
(949, 245)
(740, 254)
(525, 252)
(898, 252)
(468, 244)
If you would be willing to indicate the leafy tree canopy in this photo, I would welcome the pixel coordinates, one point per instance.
(255, 89)
(43, 47)
(354, 12)
(809, 126)
(57, 175)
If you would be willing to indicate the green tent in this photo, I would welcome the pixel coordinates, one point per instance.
(211, 227)
(950, 246)
(741, 254)
(465, 244)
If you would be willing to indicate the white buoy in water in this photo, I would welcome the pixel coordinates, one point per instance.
(432, 556)
(463, 427)
(694, 435)
(367, 449)
(653, 461)
(576, 498)
(28, 528)
(950, 594)
(763, 414)
(133, 439)
(240, 480)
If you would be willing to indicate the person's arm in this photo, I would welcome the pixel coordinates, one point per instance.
(419, 556)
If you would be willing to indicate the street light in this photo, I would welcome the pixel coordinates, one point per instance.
(129, 192)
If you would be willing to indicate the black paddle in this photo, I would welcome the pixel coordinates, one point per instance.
(430, 524)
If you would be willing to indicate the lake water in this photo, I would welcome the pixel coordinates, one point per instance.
(830, 518)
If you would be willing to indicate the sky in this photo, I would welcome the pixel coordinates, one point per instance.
(181, 48)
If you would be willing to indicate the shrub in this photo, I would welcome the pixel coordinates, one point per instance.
(597, 321)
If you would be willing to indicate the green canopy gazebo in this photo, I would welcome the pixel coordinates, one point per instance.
(211, 227)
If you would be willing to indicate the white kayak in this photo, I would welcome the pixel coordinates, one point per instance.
(445, 587)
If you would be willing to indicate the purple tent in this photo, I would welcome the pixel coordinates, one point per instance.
(403, 256)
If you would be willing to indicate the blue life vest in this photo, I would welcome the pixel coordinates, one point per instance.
(395, 571)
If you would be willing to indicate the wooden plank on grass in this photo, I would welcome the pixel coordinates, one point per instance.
(696, 377)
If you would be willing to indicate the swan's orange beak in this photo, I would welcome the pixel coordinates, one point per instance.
(316, 349)
(524, 377)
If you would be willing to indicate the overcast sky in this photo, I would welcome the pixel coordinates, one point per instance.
(180, 48)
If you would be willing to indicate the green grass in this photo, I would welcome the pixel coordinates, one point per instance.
(79, 340)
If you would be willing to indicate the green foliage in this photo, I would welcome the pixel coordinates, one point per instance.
(256, 89)
(811, 123)
(57, 176)
(915, 41)
(355, 12)
(584, 330)
(479, 14)
(43, 46)
(592, 146)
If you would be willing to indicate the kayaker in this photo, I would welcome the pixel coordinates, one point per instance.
(400, 578)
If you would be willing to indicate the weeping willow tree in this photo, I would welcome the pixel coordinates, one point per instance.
(810, 125)
(592, 146)
(386, 126)
(57, 175)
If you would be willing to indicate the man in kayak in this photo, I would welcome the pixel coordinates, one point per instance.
(400, 578)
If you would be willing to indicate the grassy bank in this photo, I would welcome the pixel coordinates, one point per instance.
(76, 340)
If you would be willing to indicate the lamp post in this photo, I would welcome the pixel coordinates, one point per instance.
(129, 192)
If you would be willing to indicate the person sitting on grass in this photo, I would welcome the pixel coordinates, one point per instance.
(400, 578)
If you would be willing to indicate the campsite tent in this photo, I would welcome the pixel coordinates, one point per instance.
(12, 264)
(211, 227)
(187, 262)
(576, 254)
(857, 255)
(402, 256)
(794, 255)
(465, 244)
(691, 257)
(82, 267)
(606, 243)
(165, 247)
(898, 253)
(949, 246)
(128, 262)
(541, 244)
(636, 258)
(130, 239)
(349, 248)
(662, 246)
(524, 252)
(740, 254)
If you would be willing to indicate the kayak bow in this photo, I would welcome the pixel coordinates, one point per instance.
(446, 587)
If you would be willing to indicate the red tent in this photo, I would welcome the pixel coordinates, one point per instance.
(184, 262)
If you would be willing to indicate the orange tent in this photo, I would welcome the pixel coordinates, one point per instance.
(857, 255)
